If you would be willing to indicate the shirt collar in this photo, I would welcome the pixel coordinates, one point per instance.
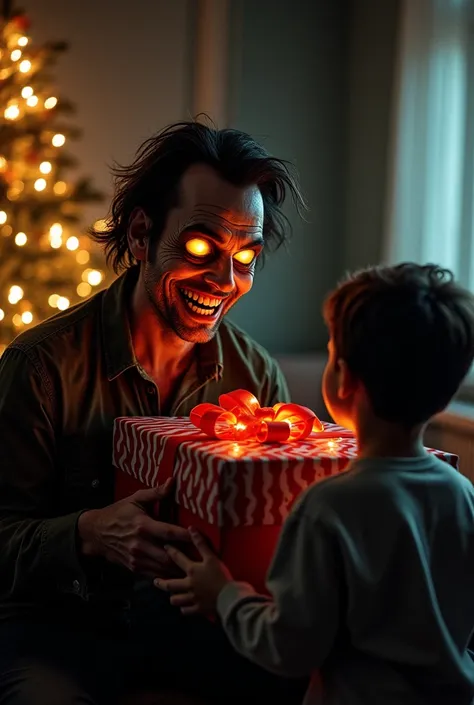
(117, 337)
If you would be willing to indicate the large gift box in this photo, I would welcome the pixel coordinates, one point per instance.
(237, 492)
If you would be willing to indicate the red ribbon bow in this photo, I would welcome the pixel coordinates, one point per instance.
(241, 418)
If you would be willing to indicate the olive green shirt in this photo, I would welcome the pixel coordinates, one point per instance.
(62, 384)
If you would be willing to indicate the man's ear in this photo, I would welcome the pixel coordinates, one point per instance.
(138, 231)
(347, 383)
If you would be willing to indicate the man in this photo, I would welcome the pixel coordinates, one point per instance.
(79, 618)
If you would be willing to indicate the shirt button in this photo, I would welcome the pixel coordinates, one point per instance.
(76, 586)
(151, 390)
(95, 483)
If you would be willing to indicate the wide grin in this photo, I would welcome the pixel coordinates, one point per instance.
(203, 305)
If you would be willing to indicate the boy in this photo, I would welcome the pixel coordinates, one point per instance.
(372, 582)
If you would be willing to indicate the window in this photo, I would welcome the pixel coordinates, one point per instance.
(431, 195)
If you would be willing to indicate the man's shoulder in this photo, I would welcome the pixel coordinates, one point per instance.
(62, 330)
(233, 337)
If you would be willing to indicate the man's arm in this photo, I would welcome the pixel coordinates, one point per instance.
(37, 549)
(292, 633)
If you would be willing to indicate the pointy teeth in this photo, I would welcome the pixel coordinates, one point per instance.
(206, 300)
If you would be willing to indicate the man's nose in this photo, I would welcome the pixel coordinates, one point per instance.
(221, 276)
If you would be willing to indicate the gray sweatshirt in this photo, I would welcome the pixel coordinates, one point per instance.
(372, 587)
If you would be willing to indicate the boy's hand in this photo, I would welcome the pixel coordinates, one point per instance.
(199, 590)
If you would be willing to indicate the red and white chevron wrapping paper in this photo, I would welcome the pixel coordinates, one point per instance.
(226, 483)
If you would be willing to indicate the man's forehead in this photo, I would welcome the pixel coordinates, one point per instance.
(204, 192)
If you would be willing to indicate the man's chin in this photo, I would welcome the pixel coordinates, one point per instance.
(197, 334)
(194, 328)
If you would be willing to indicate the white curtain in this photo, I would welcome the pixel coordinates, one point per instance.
(430, 215)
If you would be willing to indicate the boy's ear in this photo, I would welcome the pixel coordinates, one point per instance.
(137, 233)
(346, 380)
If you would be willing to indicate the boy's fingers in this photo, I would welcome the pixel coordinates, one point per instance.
(185, 599)
(200, 542)
(179, 558)
(174, 585)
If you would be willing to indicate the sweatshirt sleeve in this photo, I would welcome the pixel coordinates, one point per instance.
(36, 547)
(292, 631)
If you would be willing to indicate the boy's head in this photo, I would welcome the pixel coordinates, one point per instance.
(401, 341)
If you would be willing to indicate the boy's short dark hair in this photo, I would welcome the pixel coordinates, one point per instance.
(407, 332)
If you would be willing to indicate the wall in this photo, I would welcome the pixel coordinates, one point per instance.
(291, 95)
(371, 67)
(288, 67)
(126, 70)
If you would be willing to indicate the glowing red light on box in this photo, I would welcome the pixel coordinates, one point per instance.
(241, 418)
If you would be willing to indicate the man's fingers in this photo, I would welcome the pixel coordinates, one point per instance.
(152, 567)
(166, 533)
(151, 560)
(200, 542)
(153, 494)
(154, 554)
(194, 609)
(166, 487)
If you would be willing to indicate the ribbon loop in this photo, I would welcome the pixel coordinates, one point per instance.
(240, 417)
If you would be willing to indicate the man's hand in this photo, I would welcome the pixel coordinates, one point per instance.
(199, 590)
(125, 533)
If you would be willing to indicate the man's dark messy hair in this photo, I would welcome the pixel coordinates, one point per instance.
(407, 333)
(151, 182)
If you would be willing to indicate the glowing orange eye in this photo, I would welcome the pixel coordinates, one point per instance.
(198, 247)
(245, 256)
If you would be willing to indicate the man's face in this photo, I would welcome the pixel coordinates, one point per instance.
(205, 258)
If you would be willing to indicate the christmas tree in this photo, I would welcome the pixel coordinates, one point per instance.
(47, 262)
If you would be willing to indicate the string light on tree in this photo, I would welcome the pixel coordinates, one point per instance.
(63, 303)
(15, 294)
(72, 243)
(53, 300)
(60, 188)
(43, 249)
(83, 257)
(58, 140)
